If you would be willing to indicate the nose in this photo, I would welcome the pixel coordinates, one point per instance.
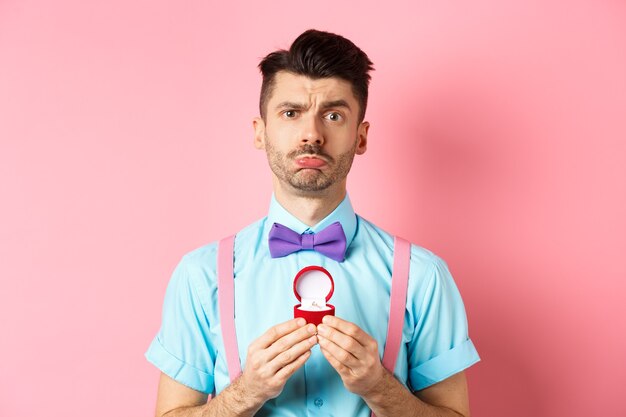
(312, 131)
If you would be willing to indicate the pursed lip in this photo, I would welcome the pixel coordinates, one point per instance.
(310, 161)
(311, 156)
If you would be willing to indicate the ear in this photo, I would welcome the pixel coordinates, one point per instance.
(259, 132)
(361, 145)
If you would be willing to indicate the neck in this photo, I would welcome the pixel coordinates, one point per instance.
(310, 207)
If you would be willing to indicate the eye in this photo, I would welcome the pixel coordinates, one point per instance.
(290, 114)
(334, 117)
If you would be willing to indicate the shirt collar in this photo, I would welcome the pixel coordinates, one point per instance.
(343, 213)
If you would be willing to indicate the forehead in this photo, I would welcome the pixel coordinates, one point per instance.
(294, 87)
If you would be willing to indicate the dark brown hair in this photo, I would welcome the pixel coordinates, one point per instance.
(318, 54)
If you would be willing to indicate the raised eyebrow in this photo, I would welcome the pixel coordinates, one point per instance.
(290, 105)
(335, 103)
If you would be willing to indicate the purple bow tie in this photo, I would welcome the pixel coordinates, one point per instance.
(330, 242)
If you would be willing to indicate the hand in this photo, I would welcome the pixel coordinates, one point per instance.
(275, 356)
(352, 352)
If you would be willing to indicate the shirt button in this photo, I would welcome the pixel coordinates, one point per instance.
(318, 402)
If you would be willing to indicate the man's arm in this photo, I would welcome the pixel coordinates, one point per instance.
(177, 400)
(447, 398)
(271, 360)
(354, 355)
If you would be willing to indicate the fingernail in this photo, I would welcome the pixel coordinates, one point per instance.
(313, 340)
(321, 329)
(326, 319)
(300, 321)
(310, 328)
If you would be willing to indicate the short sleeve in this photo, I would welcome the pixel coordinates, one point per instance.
(181, 349)
(440, 346)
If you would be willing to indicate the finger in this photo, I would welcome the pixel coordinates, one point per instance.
(286, 371)
(276, 332)
(347, 328)
(289, 340)
(287, 357)
(343, 356)
(342, 340)
(334, 362)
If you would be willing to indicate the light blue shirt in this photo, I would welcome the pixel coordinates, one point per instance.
(189, 346)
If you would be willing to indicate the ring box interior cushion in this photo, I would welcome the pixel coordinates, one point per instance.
(313, 286)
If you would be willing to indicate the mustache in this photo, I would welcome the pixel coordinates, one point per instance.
(310, 149)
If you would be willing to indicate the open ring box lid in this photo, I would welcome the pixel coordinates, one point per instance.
(313, 287)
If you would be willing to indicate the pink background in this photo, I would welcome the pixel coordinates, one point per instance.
(497, 141)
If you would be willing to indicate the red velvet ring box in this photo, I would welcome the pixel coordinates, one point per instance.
(313, 287)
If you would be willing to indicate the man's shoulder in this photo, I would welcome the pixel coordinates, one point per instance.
(420, 256)
(206, 254)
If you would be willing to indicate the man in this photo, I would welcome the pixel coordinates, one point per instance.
(312, 107)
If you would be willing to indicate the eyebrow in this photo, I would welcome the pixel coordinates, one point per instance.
(290, 105)
(325, 105)
(335, 103)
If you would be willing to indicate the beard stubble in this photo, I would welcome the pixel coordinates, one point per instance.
(308, 179)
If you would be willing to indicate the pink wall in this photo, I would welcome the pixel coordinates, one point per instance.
(497, 140)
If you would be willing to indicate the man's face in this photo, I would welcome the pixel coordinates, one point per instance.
(311, 132)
